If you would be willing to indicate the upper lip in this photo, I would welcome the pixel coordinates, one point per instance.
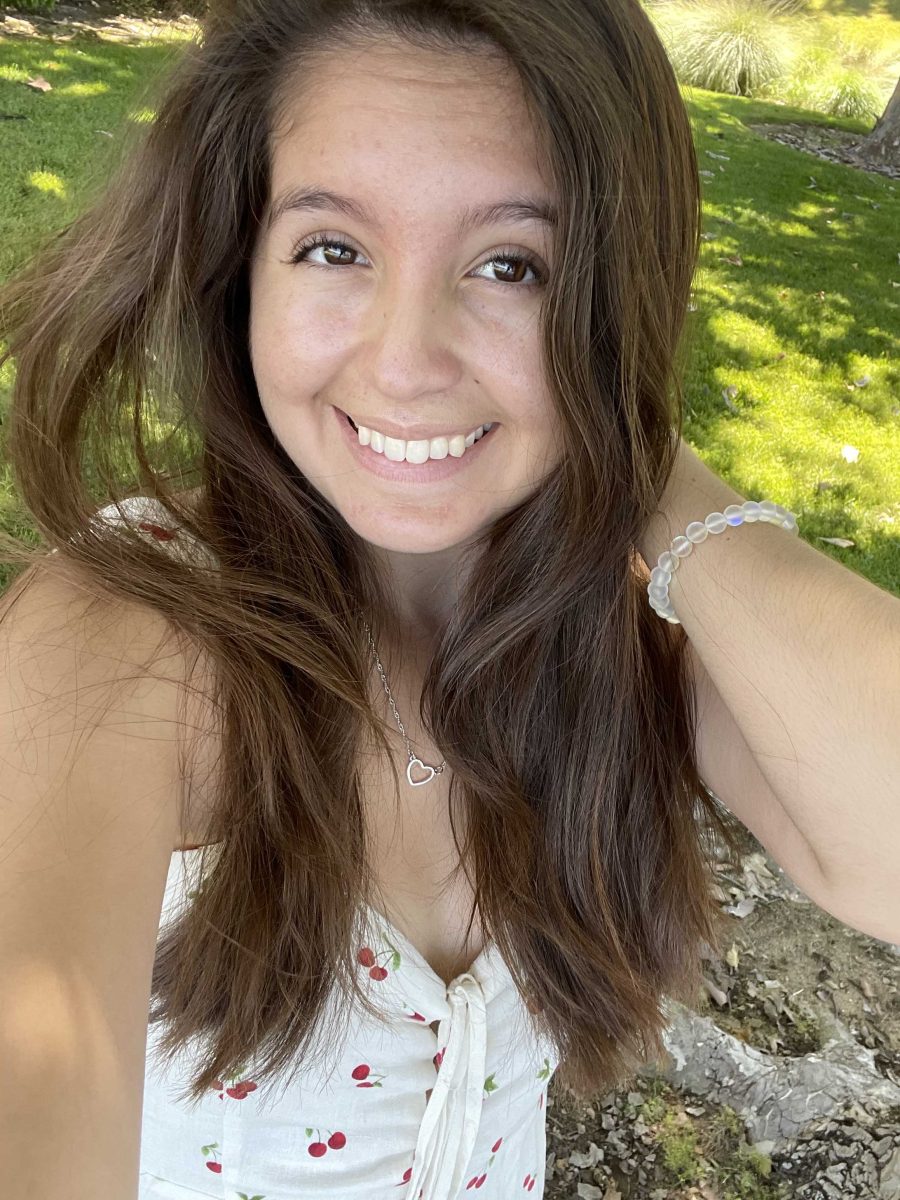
(414, 433)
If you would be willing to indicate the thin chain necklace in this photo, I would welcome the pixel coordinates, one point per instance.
(413, 760)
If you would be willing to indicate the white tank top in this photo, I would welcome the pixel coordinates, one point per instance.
(393, 1111)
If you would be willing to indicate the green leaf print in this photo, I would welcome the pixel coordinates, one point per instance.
(489, 1085)
(544, 1073)
(395, 959)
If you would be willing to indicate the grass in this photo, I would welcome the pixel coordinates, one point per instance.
(708, 1152)
(793, 383)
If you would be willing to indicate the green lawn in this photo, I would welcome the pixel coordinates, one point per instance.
(793, 387)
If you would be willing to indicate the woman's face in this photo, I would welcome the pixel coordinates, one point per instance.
(413, 323)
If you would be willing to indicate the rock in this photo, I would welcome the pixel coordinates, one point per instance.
(777, 1097)
(890, 1178)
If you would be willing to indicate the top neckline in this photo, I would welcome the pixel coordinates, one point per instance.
(482, 959)
(487, 951)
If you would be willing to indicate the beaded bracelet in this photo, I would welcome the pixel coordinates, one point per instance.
(699, 531)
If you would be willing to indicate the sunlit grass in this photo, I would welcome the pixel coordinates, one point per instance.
(793, 384)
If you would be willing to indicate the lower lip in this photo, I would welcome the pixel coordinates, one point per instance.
(431, 471)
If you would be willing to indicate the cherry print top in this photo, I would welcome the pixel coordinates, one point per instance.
(446, 1098)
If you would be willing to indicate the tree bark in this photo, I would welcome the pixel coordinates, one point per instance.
(884, 141)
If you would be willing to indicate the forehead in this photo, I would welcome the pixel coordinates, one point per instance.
(395, 122)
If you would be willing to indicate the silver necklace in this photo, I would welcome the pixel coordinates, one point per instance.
(413, 760)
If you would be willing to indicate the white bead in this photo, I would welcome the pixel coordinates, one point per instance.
(697, 531)
(734, 514)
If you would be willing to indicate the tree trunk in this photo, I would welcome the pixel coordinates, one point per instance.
(884, 141)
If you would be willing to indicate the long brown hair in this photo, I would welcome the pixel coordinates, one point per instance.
(562, 704)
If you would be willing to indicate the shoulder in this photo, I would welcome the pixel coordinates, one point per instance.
(105, 676)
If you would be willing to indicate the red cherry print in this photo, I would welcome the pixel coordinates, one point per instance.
(438, 1058)
(158, 531)
(473, 1182)
(361, 1072)
(368, 1083)
(531, 1185)
(480, 1180)
(496, 1145)
(366, 957)
(317, 1149)
(238, 1092)
(337, 1141)
(378, 973)
(525, 1181)
(216, 1167)
(417, 1016)
(406, 1175)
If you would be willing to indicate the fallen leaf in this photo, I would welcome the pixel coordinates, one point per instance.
(850, 453)
(40, 84)
(845, 543)
(715, 993)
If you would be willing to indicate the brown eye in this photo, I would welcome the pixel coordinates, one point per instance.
(319, 239)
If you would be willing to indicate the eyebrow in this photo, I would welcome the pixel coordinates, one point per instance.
(516, 208)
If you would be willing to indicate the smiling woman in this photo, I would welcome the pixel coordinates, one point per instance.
(412, 280)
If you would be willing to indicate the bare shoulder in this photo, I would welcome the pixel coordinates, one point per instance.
(107, 672)
(58, 623)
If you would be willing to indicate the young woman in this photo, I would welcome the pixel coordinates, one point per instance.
(358, 739)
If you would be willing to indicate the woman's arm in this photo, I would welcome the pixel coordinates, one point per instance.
(805, 655)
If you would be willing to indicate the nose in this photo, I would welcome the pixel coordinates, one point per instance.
(412, 345)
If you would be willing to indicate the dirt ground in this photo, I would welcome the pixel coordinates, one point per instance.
(790, 967)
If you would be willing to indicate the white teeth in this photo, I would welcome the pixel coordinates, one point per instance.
(422, 450)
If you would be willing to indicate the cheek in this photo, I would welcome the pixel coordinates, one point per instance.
(293, 355)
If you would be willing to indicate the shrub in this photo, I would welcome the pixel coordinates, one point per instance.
(732, 46)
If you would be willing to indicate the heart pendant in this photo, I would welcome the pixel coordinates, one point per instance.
(417, 762)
